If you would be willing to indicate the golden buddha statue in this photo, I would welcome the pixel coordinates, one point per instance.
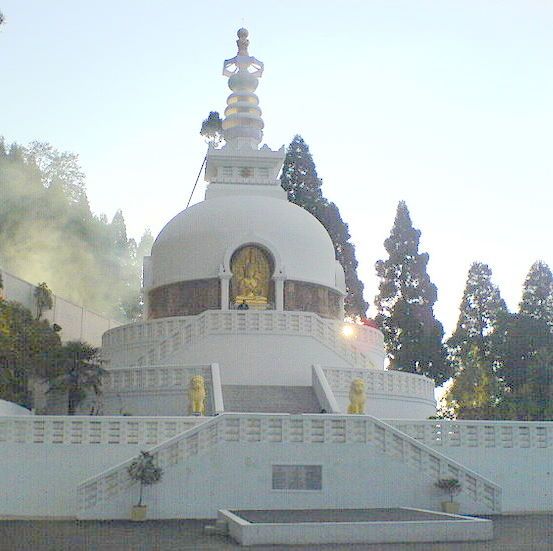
(250, 280)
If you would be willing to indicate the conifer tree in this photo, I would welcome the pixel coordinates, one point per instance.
(300, 180)
(412, 335)
(475, 391)
(480, 310)
(119, 230)
(533, 399)
(537, 293)
(516, 342)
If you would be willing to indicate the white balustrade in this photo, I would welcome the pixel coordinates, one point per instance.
(167, 335)
(478, 434)
(380, 382)
(306, 429)
(153, 377)
(54, 429)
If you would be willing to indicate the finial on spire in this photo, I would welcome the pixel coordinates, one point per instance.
(243, 61)
(242, 41)
(243, 123)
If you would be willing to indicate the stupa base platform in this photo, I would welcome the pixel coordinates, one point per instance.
(324, 526)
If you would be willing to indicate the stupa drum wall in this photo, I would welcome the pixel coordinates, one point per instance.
(185, 298)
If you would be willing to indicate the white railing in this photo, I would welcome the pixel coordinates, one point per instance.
(297, 429)
(322, 390)
(54, 429)
(154, 377)
(380, 382)
(183, 332)
(142, 331)
(478, 434)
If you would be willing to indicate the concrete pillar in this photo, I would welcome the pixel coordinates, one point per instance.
(225, 278)
(279, 292)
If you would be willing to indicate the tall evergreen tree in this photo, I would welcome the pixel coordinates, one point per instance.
(413, 336)
(480, 310)
(300, 180)
(475, 391)
(119, 231)
(516, 341)
(133, 303)
(537, 293)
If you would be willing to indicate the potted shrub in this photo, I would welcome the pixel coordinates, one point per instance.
(143, 470)
(452, 487)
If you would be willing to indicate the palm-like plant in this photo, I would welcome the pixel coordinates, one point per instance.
(76, 371)
(43, 297)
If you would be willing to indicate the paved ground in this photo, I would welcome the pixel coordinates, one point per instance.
(512, 533)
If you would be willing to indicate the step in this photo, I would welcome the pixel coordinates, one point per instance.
(270, 399)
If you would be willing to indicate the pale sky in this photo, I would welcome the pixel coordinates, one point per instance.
(446, 105)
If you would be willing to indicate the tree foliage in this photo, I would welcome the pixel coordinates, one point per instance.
(481, 307)
(504, 360)
(26, 349)
(516, 342)
(47, 232)
(537, 293)
(145, 471)
(300, 180)
(412, 334)
(212, 128)
(475, 391)
(533, 399)
(43, 299)
(76, 371)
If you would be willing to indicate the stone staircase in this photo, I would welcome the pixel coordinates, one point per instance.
(102, 495)
(270, 399)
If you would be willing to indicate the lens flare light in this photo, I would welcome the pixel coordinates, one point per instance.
(347, 331)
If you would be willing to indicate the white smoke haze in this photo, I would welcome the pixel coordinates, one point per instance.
(48, 233)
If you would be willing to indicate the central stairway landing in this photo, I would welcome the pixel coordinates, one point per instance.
(270, 399)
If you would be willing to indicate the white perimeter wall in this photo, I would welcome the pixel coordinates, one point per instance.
(41, 479)
(77, 323)
(239, 475)
(525, 474)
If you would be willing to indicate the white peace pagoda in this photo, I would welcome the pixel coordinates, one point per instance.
(247, 246)
(240, 379)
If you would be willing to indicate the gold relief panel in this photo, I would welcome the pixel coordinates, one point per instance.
(251, 269)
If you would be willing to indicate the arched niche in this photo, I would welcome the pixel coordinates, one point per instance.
(252, 268)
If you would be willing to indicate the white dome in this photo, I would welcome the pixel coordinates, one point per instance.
(10, 408)
(201, 239)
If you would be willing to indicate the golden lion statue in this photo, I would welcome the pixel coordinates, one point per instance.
(357, 396)
(196, 395)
